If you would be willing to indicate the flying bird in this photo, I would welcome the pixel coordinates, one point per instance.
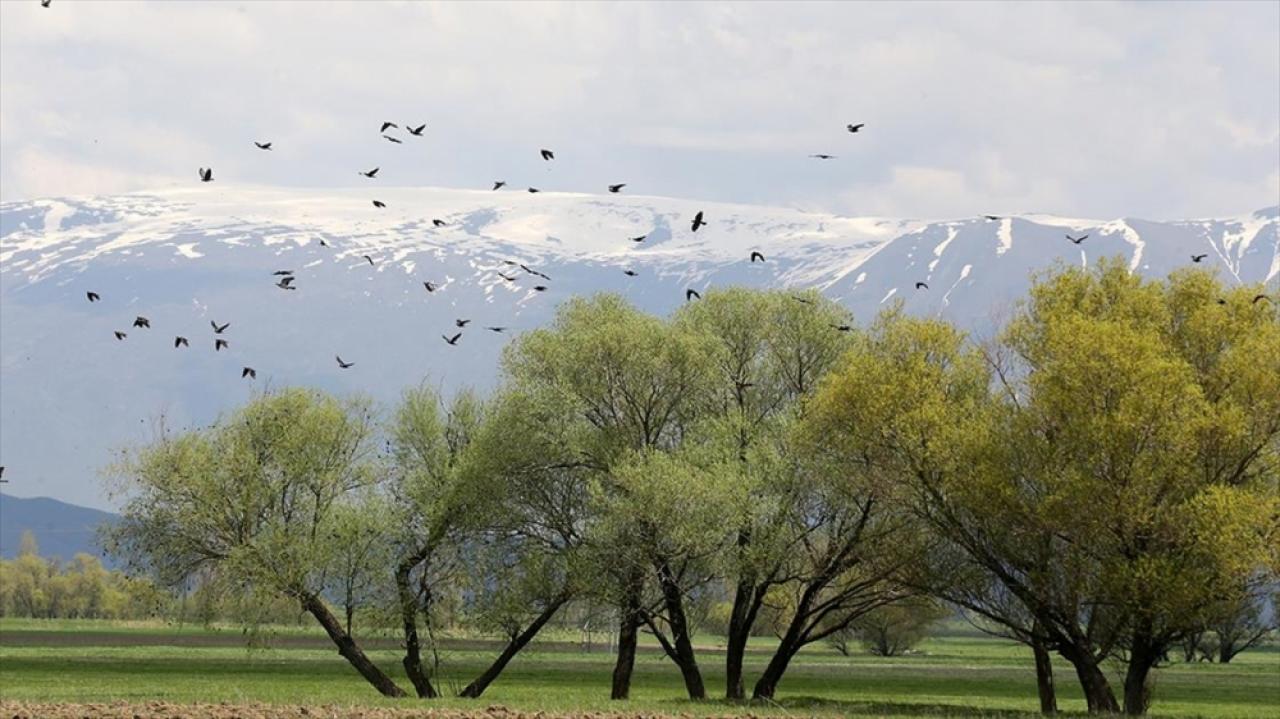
(534, 189)
(539, 288)
(439, 223)
(180, 341)
(262, 145)
(1259, 298)
(452, 340)
(505, 277)
(842, 328)
(343, 365)
(921, 286)
(802, 300)
(820, 156)
(370, 259)
(218, 329)
(249, 372)
(416, 130)
(629, 273)
(389, 138)
(379, 205)
(431, 287)
(617, 188)
(691, 294)
(282, 273)
(532, 271)
(992, 217)
(385, 125)
(1197, 258)
(93, 296)
(1078, 240)
(219, 345)
(120, 335)
(206, 175)
(461, 323)
(697, 221)
(548, 155)
(370, 173)
(141, 321)
(284, 284)
(855, 128)
(43, 3)
(757, 256)
(498, 184)
(496, 329)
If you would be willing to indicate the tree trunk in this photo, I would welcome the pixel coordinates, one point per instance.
(409, 618)
(673, 599)
(745, 608)
(767, 684)
(348, 648)
(1137, 692)
(1044, 678)
(482, 682)
(1093, 682)
(351, 610)
(627, 628)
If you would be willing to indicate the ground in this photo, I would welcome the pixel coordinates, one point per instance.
(138, 666)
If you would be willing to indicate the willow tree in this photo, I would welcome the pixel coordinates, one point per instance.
(623, 382)
(254, 498)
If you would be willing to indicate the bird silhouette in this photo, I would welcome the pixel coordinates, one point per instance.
(505, 277)
(498, 184)
(206, 175)
(992, 217)
(802, 300)
(249, 372)
(1259, 298)
(452, 340)
(757, 256)
(461, 323)
(262, 145)
(855, 128)
(533, 272)
(282, 273)
(379, 205)
(370, 173)
(629, 273)
(1078, 240)
(219, 345)
(370, 259)
(691, 294)
(617, 188)
(539, 288)
(439, 223)
(534, 189)
(92, 296)
(417, 131)
(385, 125)
(389, 138)
(141, 321)
(496, 329)
(1198, 258)
(641, 238)
(120, 335)
(921, 286)
(180, 341)
(697, 221)
(43, 3)
(431, 286)
(842, 328)
(548, 155)
(343, 365)
(218, 329)
(284, 284)
(823, 157)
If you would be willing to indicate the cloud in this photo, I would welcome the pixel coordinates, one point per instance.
(1086, 109)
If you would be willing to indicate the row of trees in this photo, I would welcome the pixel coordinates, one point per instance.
(1099, 481)
(35, 587)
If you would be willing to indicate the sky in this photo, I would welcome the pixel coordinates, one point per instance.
(1098, 109)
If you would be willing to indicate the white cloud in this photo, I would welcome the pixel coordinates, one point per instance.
(1094, 109)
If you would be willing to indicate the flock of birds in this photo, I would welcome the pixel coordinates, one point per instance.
(286, 278)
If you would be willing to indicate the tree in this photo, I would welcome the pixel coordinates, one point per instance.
(1244, 624)
(253, 498)
(894, 629)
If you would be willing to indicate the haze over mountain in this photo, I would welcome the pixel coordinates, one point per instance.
(61, 530)
(70, 392)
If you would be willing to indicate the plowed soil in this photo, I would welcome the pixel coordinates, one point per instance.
(166, 710)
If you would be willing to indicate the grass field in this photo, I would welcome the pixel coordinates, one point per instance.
(70, 661)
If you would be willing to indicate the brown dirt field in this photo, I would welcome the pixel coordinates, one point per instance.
(166, 710)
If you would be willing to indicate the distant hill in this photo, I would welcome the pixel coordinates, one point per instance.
(61, 529)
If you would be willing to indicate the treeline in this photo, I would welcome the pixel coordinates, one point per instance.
(1098, 481)
(36, 587)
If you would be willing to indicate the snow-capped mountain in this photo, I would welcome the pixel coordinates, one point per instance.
(69, 391)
